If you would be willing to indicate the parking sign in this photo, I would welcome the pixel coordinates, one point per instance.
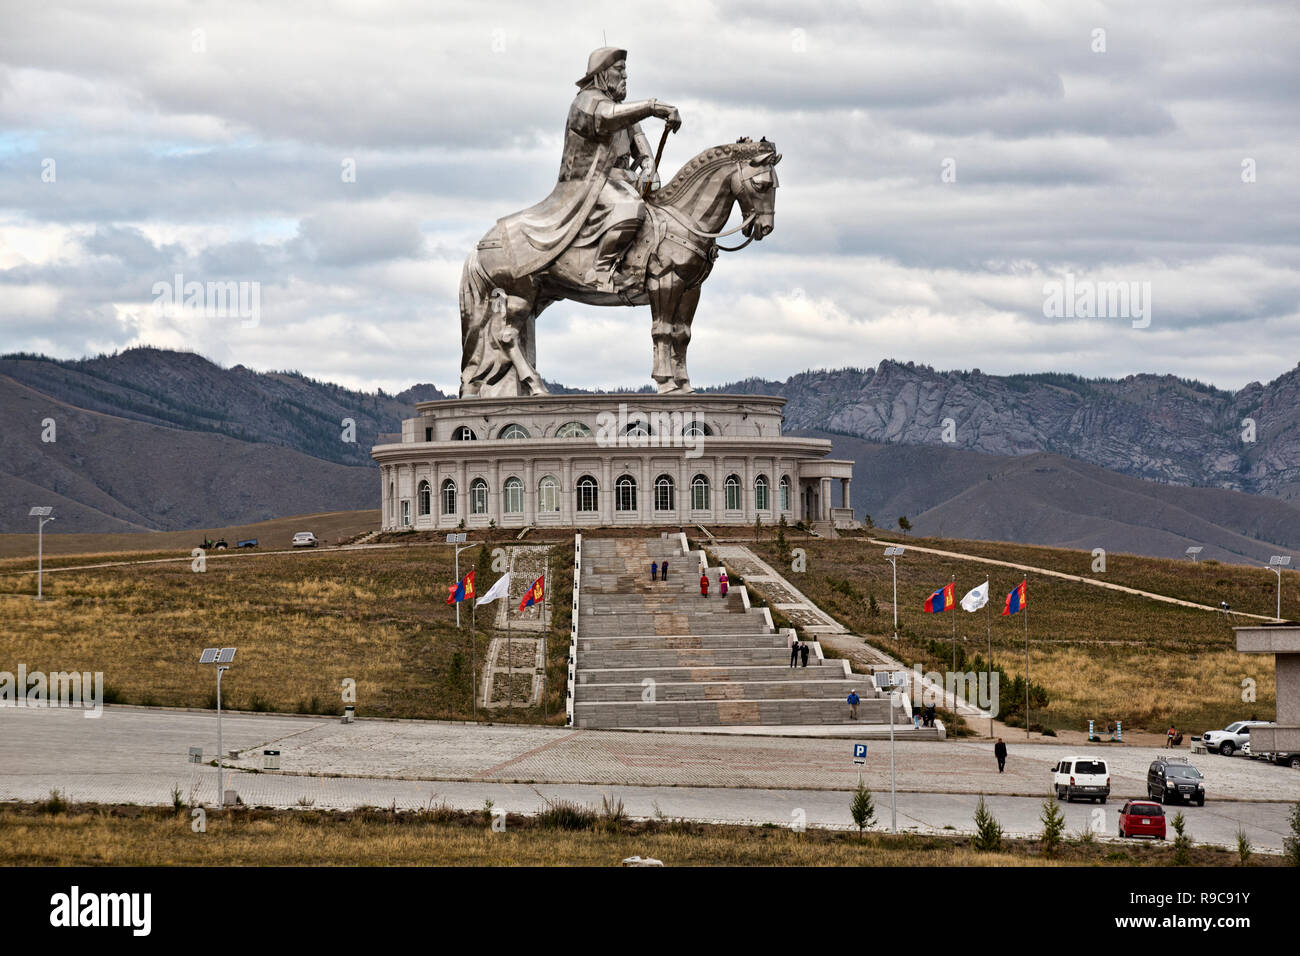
(859, 753)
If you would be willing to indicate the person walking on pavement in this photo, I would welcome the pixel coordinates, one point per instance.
(704, 584)
(1000, 751)
(853, 703)
(654, 570)
(803, 653)
(1170, 737)
(794, 653)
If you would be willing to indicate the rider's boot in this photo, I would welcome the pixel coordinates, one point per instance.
(609, 251)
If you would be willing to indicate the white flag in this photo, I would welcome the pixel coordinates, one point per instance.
(976, 598)
(498, 590)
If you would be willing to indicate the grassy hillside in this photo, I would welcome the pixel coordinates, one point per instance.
(302, 622)
(1099, 654)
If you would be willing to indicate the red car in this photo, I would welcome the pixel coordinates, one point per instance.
(1142, 818)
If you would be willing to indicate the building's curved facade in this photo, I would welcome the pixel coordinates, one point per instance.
(606, 460)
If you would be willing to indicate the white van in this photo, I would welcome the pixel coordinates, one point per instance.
(1081, 777)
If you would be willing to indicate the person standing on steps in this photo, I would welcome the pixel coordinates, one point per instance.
(663, 571)
(803, 653)
(654, 570)
(722, 583)
(1000, 751)
(853, 700)
(794, 653)
(704, 584)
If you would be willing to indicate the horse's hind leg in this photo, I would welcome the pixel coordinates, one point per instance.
(690, 299)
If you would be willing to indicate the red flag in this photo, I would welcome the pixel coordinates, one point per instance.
(1017, 599)
(533, 595)
(462, 590)
(942, 599)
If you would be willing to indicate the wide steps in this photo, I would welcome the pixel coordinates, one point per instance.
(724, 713)
(727, 690)
(589, 643)
(689, 657)
(727, 672)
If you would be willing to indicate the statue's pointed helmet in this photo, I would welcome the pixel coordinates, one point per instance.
(601, 60)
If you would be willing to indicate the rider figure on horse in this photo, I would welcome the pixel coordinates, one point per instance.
(596, 201)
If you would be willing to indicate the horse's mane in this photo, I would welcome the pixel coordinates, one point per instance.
(744, 149)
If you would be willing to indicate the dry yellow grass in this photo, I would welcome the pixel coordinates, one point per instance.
(302, 622)
(1101, 654)
(133, 836)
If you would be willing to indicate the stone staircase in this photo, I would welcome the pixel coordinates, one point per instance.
(657, 654)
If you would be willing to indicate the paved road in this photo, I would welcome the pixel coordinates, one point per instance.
(138, 755)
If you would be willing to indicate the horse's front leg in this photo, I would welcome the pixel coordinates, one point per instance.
(665, 293)
(516, 342)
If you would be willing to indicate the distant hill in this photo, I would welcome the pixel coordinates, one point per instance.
(1052, 500)
(106, 473)
(1150, 426)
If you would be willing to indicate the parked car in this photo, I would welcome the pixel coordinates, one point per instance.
(1142, 818)
(1173, 778)
(1291, 760)
(1231, 738)
(1081, 777)
(305, 539)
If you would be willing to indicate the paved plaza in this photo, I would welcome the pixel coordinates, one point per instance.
(138, 755)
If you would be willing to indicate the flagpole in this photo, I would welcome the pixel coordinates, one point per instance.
(457, 550)
(1025, 611)
(510, 653)
(954, 643)
(546, 574)
(473, 678)
(988, 617)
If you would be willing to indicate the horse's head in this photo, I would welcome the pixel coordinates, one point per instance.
(755, 190)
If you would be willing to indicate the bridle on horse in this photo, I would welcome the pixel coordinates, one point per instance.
(745, 177)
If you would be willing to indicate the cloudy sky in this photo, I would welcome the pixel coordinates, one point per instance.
(943, 162)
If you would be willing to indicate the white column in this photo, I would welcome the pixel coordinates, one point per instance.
(530, 493)
(462, 494)
(495, 507)
(605, 503)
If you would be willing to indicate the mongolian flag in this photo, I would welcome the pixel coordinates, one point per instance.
(533, 595)
(1016, 600)
(942, 599)
(462, 590)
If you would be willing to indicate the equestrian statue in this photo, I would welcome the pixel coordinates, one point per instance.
(604, 237)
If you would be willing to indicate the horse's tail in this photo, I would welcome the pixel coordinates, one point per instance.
(474, 287)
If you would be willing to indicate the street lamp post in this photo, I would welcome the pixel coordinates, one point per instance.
(42, 516)
(893, 791)
(221, 656)
(891, 555)
(1276, 564)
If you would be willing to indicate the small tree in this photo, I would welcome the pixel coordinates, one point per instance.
(1053, 827)
(904, 525)
(1182, 842)
(1291, 844)
(758, 527)
(866, 520)
(988, 832)
(862, 808)
(873, 607)
(1244, 849)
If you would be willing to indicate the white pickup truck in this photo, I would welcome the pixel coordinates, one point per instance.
(1081, 777)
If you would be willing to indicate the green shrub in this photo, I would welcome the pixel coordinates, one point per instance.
(1053, 827)
(988, 832)
(862, 808)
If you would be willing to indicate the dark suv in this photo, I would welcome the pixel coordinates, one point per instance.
(1173, 778)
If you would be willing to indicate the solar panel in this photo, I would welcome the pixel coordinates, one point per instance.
(40, 512)
(1281, 560)
(208, 656)
(226, 655)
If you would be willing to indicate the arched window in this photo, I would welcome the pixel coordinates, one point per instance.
(586, 489)
(448, 497)
(733, 493)
(696, 427)
(573, 430)
(638, 426)
(514, 496)
(625, 493)
(664, 494)
(699, 493)
(478, 496)
(548, 495)
(760, 494)
(426, 498)
(464, 433)
(785, 492)
(513, 431)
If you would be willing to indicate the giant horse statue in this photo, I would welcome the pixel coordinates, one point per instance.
(592, 240)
